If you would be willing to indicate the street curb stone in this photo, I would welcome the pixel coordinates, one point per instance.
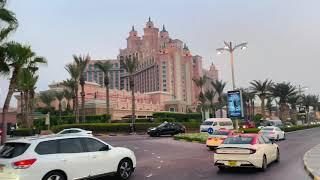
(307, 166)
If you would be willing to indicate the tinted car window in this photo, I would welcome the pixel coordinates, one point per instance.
(266, 140)
(208, 123)
(12, 150)
(72, 145)
(238, 140)
(225, 133)
(65, 132)
(93, 145)
(47, 147)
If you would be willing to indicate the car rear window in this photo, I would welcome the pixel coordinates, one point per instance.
(225, 133)
(267, 129)
(238, 140)
(12, 150)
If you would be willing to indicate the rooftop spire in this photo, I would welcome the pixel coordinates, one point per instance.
(185, 46)
(164, 28)
(132, 28)
(149, 19)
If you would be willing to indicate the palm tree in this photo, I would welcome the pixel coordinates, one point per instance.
(72, 83)
(131, 64)
(59, 96)
(105, 67)
(283, 91)
(210, 94)
(16, 56)
(72, 91)
(68, 94)
(261, 89)
(269, 106)
(309, 100)
(219, 87)
(200, 83)
(293, 101)
(8, 21)
(82, 62)
(46, 98)
(26, 84)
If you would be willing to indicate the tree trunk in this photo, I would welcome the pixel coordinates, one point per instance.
(106, 79)
(26, 122)
(83, 115)
(31, 104)
(133, 104)
(221, 110)
(6, 105)
(60, 110)
(22, 107)
(252, 108)
(76, 104)
(263, 108)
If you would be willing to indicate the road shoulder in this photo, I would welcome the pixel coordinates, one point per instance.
(311, 161)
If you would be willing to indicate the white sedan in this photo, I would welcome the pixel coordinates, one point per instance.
(75, 131)
(246, 150)
(64, 157)
(273, 132)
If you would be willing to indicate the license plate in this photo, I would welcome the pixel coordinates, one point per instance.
(232, 163)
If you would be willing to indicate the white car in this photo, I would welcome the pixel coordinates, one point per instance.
(246, 150)
(273, 132)
(75, 131)
(64, 157)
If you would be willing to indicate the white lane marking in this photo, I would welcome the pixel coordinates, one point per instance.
(153, 153)
(135, 147)
(145, 150)
(149, 175)
(159, 167)
(161, 161)
(158, 157)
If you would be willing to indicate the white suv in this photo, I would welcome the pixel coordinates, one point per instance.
(64, 158)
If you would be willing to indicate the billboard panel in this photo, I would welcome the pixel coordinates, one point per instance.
(235, 106)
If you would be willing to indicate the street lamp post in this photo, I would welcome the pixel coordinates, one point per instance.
(230, 48)
(300, 90)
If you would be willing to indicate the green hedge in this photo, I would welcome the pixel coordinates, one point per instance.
(71, 119)
(179, 117)
(118, 127)
(23, 132)
(161, 120)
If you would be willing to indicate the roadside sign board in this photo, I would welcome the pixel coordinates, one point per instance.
(210, 131)
(235, 105)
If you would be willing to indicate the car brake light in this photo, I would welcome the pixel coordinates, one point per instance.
(24, 164)
(252, 151)
(209, 138)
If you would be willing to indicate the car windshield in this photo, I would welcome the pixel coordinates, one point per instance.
(238, 140)
(267, 129)
(163, 124)
(11, 150)
(225, 133)
(207, 123)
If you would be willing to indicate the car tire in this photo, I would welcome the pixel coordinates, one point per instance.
(125, 169)
(284, 136)
(222, 168)
(264, 163)
(54, 175)
(157, 134)
(278, 138)
(278, 156)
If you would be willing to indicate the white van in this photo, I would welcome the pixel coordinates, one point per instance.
(216, 124)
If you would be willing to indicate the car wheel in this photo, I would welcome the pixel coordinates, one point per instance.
(54, 175)
(278, 156)
(125, 169)
(284, 136)
(264, 163)
(222, 168)
(157, 134)
(278, 138)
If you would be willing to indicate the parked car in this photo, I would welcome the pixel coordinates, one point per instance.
(273, 132)
(217, 138)
(166, 128)
(216, 124)
(246, 150)
(287, 124)
(75, 131)
(248, 124)
(64, 157)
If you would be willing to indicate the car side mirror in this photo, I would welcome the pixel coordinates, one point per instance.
(105, 148)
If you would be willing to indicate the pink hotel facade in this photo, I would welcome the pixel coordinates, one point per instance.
(163, 82)
(165, 72)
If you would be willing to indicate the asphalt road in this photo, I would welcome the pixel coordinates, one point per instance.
(166, 159)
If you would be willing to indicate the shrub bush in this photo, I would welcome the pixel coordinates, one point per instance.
(24, 132)
(118, 127)
(161, 120)
(179, 117)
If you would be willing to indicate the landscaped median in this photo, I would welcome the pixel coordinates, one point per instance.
(202, 137)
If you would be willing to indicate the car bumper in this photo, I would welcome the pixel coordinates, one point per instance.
(231, 160)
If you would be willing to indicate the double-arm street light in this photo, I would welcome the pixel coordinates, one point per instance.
(230, 47)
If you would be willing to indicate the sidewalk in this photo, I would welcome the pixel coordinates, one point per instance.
(312, 162)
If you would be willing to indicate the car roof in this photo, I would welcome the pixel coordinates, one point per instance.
(218, 119)
(271, 127)
(35, 139)
(74, 129)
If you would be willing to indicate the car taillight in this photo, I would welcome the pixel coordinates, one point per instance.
(209, 138)
(252, 151)
(24, 164)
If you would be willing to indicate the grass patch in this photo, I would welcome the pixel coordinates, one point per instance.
(191, 137)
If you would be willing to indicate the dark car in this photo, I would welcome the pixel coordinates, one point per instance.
(166, 128)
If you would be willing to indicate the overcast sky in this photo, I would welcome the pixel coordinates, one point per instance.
(283, 35)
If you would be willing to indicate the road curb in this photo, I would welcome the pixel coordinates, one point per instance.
(307, 168)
